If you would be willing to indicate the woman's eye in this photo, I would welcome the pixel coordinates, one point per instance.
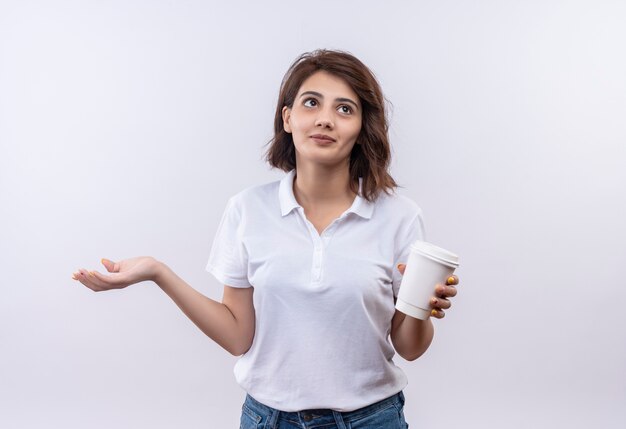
(310, 102)
(345, 109)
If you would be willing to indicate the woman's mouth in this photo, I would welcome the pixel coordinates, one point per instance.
(323, 139)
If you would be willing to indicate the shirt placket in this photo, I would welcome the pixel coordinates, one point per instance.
(318, 257)
(320, 242)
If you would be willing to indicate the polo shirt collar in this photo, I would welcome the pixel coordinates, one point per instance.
(288, 202)
(287, 199)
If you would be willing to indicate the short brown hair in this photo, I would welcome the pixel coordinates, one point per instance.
(370, 158)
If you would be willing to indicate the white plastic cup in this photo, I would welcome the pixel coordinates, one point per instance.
(428, 265)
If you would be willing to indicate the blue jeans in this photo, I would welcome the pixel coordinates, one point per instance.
(386, 414)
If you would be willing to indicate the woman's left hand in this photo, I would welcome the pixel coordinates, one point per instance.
(440, 302)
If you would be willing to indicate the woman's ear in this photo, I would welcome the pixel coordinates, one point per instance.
(286, 117)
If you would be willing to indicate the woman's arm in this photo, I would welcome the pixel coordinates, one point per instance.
(230, 323)
(411, 337)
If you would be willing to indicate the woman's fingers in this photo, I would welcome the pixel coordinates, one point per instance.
(440, 303)
(111, 266)
(102, 281)
(98, 282)
(83, 277)
(401, 267)
(445, 291)
(452, 280)
(439, 314)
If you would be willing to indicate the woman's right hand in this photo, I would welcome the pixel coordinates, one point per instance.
(123, 273)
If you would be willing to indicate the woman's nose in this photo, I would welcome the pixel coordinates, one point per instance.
(324, 119)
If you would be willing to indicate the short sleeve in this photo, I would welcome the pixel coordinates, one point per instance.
(407, 235)
(228, 260)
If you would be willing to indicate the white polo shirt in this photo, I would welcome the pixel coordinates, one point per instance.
(323, 303)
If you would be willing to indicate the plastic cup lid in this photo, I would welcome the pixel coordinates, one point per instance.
(436, 252)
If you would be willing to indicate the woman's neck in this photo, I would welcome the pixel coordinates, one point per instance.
(317, 185)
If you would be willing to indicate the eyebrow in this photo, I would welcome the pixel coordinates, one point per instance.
(341, 100)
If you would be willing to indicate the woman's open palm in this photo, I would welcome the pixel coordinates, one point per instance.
(122, 273)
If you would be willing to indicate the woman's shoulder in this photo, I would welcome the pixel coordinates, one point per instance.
(398, 203)
(255, 194)
(399, 213)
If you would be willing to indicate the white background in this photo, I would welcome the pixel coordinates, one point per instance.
(126, 125)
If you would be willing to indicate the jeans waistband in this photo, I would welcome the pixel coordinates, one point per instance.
(347, 416)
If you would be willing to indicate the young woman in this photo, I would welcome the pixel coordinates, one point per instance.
(311, 264)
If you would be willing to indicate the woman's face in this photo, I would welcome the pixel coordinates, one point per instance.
(325, 120)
